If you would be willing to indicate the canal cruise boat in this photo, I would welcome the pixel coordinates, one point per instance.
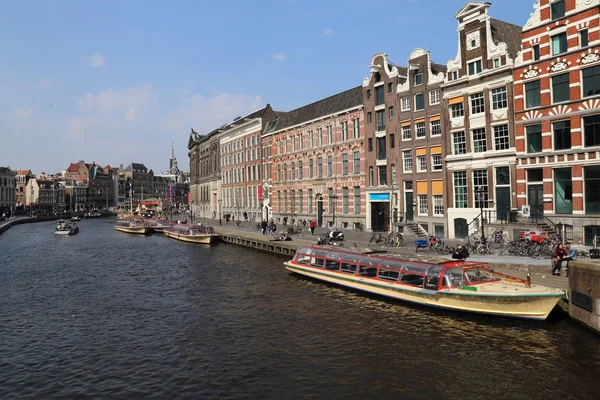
(132, 226)
(158, 225)
(192, 233)
(66, 228)
(449, 284)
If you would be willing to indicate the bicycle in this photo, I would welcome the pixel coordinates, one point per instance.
(378, 239)
(394, 239)
(294, 230)
(360, 227)
(238, 223)
(258, 227)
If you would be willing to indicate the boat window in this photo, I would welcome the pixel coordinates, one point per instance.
(388, 275)
(368, 271)
(332, 265)
(303, 259)
(453, 278)
(408, 278)
(348, 268)
(319, 253)
(354, 258)
(369, 261)
(478, 275)
(416, 268)
(316, 262)
(391, 264)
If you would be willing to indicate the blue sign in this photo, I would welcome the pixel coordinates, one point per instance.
(379, 196)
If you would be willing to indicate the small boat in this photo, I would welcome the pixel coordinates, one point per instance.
(158, 225)
(92, 215)
(75, 218)
(192, 233)
(66, 228)
(449, 284)
(132, 226)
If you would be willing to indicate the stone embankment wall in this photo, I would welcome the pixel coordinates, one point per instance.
(584, 292)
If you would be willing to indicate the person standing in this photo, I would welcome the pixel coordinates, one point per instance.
(313, 225)
(460, 253)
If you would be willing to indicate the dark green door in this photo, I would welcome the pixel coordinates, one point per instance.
(461, 228)
(409, 206)
(319, 211)
(379, 216)
(535, 199)
(502, 203)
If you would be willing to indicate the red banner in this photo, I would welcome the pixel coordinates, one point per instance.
(260, 192)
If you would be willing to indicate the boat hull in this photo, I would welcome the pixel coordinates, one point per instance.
(521, 305)
(141, 230)
(202, 238)
(66, 233)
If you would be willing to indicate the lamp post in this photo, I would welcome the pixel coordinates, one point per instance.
(480, 192)
(334, 198)
(220, 220)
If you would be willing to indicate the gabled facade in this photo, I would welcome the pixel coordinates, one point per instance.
(478, 100)
(142, 180)
(316, 162)
(382, 155)
(557, 105)
(22, 177)
(419, 141)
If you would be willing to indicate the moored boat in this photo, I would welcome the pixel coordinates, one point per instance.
(192, 233)
(132, 226)
(75, 218)
(158, 225)
(453, 285)
(66, 228)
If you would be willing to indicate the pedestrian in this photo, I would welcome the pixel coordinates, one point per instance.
(245, 216)
(214, 214)
(263, 225)
(269, 226)
(285, 219)
(313, 225)
(460, 252)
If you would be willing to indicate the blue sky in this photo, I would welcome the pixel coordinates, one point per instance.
(128, 77)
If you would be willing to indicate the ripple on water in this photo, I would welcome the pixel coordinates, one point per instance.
(102, 314)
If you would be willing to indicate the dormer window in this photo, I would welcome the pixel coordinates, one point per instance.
(377, 77)
(557, 9)
(474, 67)
(418, 79)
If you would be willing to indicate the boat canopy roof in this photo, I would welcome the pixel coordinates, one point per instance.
(399, 262)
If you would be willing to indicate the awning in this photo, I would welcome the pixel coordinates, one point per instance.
(405, 123)
(419, 120)
(421, 152)
(436, 150)
(437, 187)
(456, 100)
(434, 118)
(422, 187)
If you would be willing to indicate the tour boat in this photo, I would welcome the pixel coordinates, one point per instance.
(66, 228)
(192, 233)
(132, 226)
(158, 225)
(449, 284)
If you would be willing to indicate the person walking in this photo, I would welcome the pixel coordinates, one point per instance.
(263, 225)
(313, 225)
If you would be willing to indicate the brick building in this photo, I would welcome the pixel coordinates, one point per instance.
(241, 164)
(316, 157)
(205, 173)
(478, 98)
(557, 105)
(419, 139)
(382, 158)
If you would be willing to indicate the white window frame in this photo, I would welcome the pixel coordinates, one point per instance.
(437, 162)
(407, 162)
(405, 103)
(406, 132)
(420, 130)
(436, 123)
(421, 163)
(434, 96)
(423, 203)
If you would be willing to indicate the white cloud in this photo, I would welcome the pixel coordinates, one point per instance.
(81, 128)
(207, 113)
(279, 56)
(328, 32)
(23, 113)
(95, 61)
(127, 101)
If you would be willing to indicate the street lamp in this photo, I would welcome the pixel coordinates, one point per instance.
(334, 198)
(480, 195)
(219, 201)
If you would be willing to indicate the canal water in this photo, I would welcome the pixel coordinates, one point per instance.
(110, 315)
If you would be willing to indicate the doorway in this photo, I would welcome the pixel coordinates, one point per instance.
(502, 203)
(319, 210)
(535, 199)
(461, 228)
(380, 216)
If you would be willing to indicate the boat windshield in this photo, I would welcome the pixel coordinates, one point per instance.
(478, 275)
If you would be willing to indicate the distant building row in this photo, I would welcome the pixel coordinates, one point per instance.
(88, 186)
(510, 122)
